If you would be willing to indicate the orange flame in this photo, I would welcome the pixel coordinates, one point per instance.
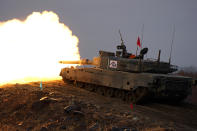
(30, 49)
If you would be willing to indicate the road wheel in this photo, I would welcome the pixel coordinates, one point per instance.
(128, 97)
(140, 94)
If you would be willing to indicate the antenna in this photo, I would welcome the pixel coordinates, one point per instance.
(173, 35)
(142, 35)
(122, 42)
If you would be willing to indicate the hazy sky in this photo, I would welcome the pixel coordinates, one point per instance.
(96, 24)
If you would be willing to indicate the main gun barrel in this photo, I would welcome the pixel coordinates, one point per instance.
(80, 62)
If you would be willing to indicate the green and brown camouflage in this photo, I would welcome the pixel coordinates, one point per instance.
(132, 79)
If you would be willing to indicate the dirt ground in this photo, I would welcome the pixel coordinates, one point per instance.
(60, 106)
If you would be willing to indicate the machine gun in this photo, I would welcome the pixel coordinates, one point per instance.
(122, 47)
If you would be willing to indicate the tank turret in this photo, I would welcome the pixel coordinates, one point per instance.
(110, 61)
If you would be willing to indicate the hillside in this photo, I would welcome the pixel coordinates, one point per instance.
(60, 106)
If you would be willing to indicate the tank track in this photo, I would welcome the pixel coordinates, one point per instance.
(140, 95)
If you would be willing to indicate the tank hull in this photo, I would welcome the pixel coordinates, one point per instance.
(135, 87)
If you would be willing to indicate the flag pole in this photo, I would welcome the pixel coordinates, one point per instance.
(136, 50)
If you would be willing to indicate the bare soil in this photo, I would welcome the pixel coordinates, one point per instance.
(60, 106)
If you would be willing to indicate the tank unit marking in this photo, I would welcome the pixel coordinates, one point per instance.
(113, 64)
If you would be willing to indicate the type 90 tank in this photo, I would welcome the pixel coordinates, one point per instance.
(128, 76)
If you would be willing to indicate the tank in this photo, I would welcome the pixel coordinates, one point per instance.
(128, 76)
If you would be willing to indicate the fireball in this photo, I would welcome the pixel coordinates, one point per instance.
(30, 49)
